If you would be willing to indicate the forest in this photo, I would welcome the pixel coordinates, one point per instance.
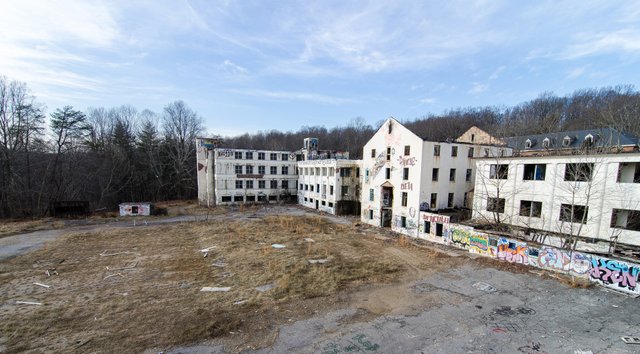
(107, 155)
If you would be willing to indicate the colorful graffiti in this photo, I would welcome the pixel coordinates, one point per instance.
(559, 260)
(615, 274)
(513, 251)
(479, 244)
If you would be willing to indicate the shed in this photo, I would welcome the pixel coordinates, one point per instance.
(134, 209)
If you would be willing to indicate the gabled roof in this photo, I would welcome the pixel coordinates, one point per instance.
(576, 139)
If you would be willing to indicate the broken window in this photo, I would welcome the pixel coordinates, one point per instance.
(452, 175)
(495, 205)
(373, 153)
(498, 171)
(467, 177)
(434, 174)
(262, 184)
(405, 196)
(629, 172)
(388, 154)
(370, 214)
(625, 219)
(534, 172)
(225, 199)
(273, 184)
(403, 221)
(530, 208)
(574, 213)
(450, 200)
(436, 150)
(345, 191)
(439, 229)
(134, 209)
(238, 198)
(470, 153)
(285, 184)
(580, 172)
(330, 190)
(454, 151)
(427, 227)
(345, 172)
(434, 200)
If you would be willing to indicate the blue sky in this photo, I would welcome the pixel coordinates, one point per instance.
(247, 66)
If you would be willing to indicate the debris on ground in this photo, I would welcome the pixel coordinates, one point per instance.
(42, 285)
(482, 286)
(278, 246)
(318, 261)
(310, 240)
(240, 302)
(631, 340)
(28, 303)
(266, 287)
(50, 272)
(125, 267)
(105, 254)
(215, 289)
(113, 275)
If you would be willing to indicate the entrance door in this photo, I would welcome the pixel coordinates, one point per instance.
(386, 217)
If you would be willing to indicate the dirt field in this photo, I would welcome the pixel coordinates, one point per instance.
(127, 290)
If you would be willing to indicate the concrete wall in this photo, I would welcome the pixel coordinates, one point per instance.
(602, 194)
(135, 209)
(321, 182)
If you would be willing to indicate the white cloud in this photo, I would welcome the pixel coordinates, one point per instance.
(626, 40)
(478, 88)
(231, 68)
(428, 100)
(576, 72)
(497, 72)
(294, 96)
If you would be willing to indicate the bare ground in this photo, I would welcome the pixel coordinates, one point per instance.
(94, 305)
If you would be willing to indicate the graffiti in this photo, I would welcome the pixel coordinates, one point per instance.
(443, 219)
(504, 327)
(424, 206)
(412, 212)
(614, 274)
(406, 161)
(478, 244)
(225, 153)
(460, 237)
(558, 260)
(380, 160)
(406, 186)
(357, 344)
(532, 347)
(513, 251)
(507, 311)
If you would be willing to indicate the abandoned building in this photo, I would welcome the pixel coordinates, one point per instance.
(136, 209)
(403, 174)
(227, 176)
(579, 185)
(327, 180)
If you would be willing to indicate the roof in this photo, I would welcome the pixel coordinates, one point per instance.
(602, 137)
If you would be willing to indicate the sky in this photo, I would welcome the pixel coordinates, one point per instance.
(249, 66)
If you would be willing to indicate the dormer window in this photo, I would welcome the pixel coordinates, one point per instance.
(588, 140)
(527, 144)
(566, 141)
(546, 143)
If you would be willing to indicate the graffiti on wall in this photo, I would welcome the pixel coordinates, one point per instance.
(559, 260)
(513, 251)
(225, 153)
(406, 186)
(615, 274)
(377, 166)
(406, 161)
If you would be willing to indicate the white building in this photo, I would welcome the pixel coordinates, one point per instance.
(565, 186)
(404, 174)
(228, 176)
(330, 185)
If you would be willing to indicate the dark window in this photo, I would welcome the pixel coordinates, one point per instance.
(330, 190)
(454, 151)
(312, 187)
(404, 198)
(452, 175)
(470, 153)
(574, 213)
(262, 184)
(249, 169)
(370, 214)
(345, 172)
(439, 229)
(625, 219)
(407, 150)
(387, 173)
(495, 205)
(261, 170)
(273, 197)
(436, 150)
(134, 209)
(530, 208)
(261, 156)
(373, 153)
(285, 170)
(226, 199)
(388, 154)
(273, 170)
(239, 169)
(357, 172)
(434, 200)
(499, 171)
(450, 201)
(345, 191)
(403, 221)
(580, 172)
(273, 184)
(427, 227)
(629, 172)
(405, 173)
(285, 157)
(238, 198)
(238, 155)
(249, 184)
(371, 194)
(273, 156)
(285, 184)
(534, 172)
(239, 184)
(467, 177)
(248, 155)
(330, 205)
(434, 174)
(390, 127)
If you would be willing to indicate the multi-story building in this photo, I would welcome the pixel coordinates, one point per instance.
(330, 185)
(404, 174)
(577, 188)
(228, 176)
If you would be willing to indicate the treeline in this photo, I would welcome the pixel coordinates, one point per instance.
(109, 155)
(615, 107)
(104, 156)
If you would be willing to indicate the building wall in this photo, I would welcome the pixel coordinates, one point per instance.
(220, 171)
(475, 135)
(321, 182)
(602, 194)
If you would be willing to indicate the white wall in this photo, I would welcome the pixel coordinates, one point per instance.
(326, 173)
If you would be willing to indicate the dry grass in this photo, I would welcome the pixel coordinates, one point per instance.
(13, 227)
(158, 303)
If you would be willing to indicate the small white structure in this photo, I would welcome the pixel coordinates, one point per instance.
(136, 209)
(227, 176)
(330, 185)
(590, 198)
(404, 174)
